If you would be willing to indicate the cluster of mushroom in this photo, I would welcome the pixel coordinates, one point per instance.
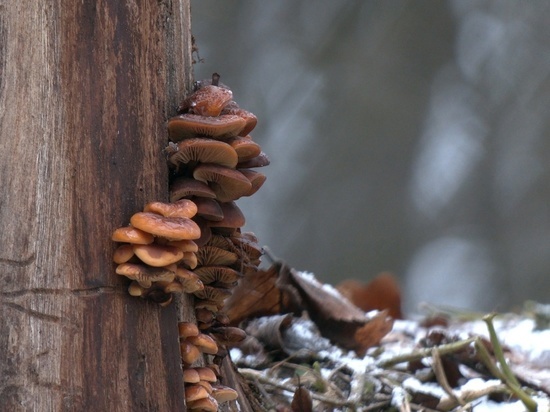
(158, 250)
(203, 390)
(195, 244)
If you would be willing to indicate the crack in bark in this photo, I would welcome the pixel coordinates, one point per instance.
(18, 262)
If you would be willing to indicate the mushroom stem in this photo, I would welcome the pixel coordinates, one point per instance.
(215, 79)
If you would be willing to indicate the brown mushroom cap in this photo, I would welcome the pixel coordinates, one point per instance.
(258, 161)
(130, 234)
(190, 375)
(223, 393)
(232, 216)
(203, 150)
(158, 255)
(185, 245)
(123, 253)
(173, 228)
(208, 208)
(206, 344)
(207, 101)
(185, 186)
(245, 148)
(186, 329)
(228, 184)
(190, 260)
(189, 352)
(195, 392)
(189, 280)
(143, 274)
(208, 404)
(250, 118)
(205, 373)
(256, 179)
(185, 126)
(180, 208)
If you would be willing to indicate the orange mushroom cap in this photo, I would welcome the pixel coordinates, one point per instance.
(180, 208)
(133, 235)
(172, 228)
(209, 100)
(158, 255)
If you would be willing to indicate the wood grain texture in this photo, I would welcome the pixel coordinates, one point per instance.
(85, 91)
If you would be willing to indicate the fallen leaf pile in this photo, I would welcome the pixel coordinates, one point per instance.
(310, 348)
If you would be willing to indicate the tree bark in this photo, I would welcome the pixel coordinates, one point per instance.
(85, 91)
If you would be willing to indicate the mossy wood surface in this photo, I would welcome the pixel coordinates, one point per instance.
(85, 90)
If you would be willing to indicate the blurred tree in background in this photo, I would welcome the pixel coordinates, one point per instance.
(409, 136)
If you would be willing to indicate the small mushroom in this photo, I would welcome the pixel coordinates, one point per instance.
(190, 375)
(209, 100)
(185, 186)
(172, 228)
(186, 329)
(204, 151)
(207, 404)
(206, 374)
(185, 245)
(205, 343)
(224, 393)
(132, 235)
(259, 161)
(228, 184)
(123, 253)
(208, 208)
(245, 148)
(189, 352)
(250, 118)
(180, 208)
(185, 126)
(256, 179)
(232, 217)
(158, 255)
(143, 274)
(195, 392)
(190, 260)
(189, 280)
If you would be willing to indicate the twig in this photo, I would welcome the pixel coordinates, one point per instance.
(509, 378)
(442, 378)
(256, 375)
(424, 353)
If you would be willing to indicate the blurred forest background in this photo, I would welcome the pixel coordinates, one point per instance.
(409, 136)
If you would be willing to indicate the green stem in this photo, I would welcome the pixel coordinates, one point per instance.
(509, 377)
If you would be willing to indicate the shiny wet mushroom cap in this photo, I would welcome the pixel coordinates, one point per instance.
(133, 235)
(180, 208)
(209, 100)
(172, 228)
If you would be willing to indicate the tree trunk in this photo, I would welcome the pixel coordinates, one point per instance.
(85, 91)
